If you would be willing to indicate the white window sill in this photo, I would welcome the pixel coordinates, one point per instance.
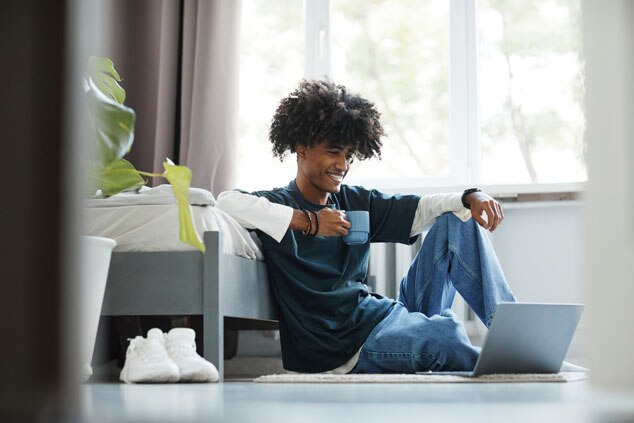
(509, 194)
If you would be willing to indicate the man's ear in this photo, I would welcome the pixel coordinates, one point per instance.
(300, 150)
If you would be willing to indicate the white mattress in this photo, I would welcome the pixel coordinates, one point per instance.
(154, 227)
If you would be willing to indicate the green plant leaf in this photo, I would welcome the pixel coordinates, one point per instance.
(113, 123)
(119, 176)
(101, 70)
(180, 178)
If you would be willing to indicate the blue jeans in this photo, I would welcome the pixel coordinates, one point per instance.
(421, 332)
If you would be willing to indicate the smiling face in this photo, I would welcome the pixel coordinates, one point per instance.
(321, 169)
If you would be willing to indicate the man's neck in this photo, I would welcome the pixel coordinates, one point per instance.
(311, 193)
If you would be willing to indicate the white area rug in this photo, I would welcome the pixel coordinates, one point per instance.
(408, 378)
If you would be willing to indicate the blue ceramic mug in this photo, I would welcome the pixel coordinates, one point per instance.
(358, 233)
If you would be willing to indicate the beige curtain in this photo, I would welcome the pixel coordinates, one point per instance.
(179, 61)
(210, 92)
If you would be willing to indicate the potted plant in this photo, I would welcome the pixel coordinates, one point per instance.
(107, 174)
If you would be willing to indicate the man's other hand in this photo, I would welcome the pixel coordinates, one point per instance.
(480, 204)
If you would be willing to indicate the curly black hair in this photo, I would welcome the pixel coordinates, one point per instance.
(319, 111)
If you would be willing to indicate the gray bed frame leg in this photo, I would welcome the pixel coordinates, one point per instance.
(213, 321)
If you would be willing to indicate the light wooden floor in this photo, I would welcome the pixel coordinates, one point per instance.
(244, 401)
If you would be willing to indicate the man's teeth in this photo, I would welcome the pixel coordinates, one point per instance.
(336, 176)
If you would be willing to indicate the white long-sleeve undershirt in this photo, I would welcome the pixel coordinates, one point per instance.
(274, 219)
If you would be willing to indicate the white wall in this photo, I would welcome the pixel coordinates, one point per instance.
(539, 248)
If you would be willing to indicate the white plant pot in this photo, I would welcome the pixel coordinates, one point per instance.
(95, 262)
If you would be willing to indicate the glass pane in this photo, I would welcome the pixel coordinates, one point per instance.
(531, 91)
(396, 54)
(271, 66)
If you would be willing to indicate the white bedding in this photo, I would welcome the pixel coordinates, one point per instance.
(161, 194)
(154, 227)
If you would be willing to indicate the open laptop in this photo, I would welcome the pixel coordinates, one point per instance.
(526, 338)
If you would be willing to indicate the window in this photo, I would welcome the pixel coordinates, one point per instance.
(470, 93)
(531, 91)
(271, 65)
(399, 60)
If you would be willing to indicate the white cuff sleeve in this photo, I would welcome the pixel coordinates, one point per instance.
(430, 207)
(254, 212)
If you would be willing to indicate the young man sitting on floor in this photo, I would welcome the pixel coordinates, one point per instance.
(329, 321)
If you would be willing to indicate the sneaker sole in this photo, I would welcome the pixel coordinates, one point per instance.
(197, 371)
(163, 374)
(198, 377)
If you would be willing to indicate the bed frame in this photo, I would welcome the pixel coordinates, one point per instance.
(212, 284)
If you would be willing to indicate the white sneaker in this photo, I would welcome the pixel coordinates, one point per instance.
(147, 361)
(181, 348)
